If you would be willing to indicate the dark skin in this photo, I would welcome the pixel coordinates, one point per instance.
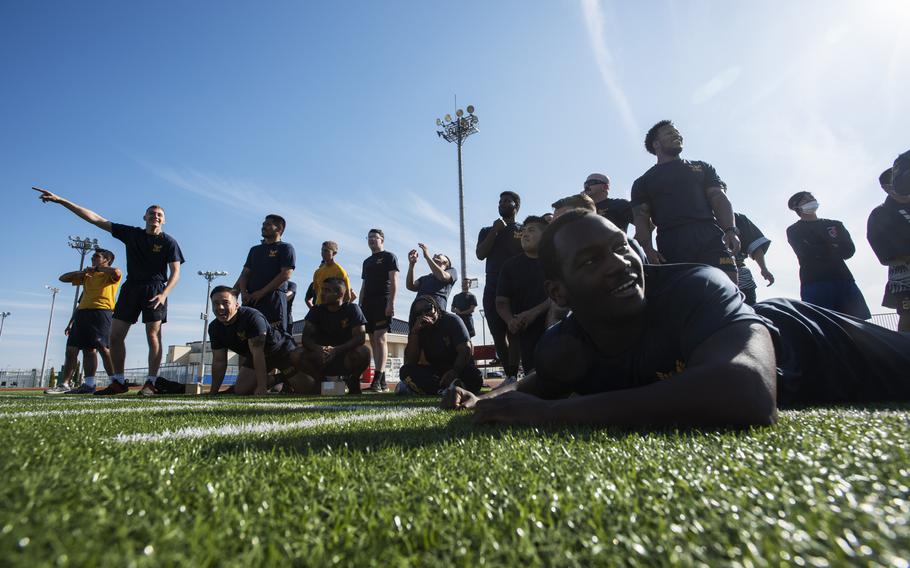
(428, 316)
(271, 233)
(508, 207)
(729, 380)
(355, 352)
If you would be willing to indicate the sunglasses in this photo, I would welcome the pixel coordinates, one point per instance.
(593, 183)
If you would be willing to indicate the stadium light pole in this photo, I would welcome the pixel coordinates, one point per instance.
(83, 247)
(47, 339)
(209, 275)
(457, 130)
(3, 316)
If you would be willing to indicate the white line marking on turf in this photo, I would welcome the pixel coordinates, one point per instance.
(168, 406)
(195, 432)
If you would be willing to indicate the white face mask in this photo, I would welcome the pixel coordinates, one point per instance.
(810, 207)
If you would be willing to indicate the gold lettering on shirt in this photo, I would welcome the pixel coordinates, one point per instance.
(680, 367)
(344, 323)
(156, 248)
(273, 253)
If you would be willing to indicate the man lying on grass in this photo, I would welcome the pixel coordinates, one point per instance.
(676, 345)
(246, 331)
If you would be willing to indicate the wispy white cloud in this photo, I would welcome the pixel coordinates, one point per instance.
(425, 209)
(717, 84)
(594, 22)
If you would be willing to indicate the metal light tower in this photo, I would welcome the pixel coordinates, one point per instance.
(3, 316)
(457, 131)
(208, 275)
(47, 339)
(83, 247)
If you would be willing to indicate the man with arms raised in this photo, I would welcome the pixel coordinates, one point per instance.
(263, 282)
(90, 330)
(377, 301)
(334, 337)
(153, 260)
(438, 282)
(438, 353)
(676, 345)
(687, 202)
(248, 333)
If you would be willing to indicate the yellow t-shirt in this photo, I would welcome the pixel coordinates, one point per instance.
(328, 271)
(100, 290)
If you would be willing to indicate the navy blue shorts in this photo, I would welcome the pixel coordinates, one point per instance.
(701, 242)
(91, 329)
(839, 295)
(274, 307)
(134, 300)
(374, 311)
(280, 360)
(424, 380)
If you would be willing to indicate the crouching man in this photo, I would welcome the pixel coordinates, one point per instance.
(246, 331)
(334, 336)
(676, 345)
(438, 352)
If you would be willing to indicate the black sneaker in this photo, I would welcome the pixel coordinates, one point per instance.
(112, 389)
(148, 389)
(353, 384)
(378, 384)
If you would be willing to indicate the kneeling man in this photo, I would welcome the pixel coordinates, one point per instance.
(676, 345)
(438, 352)
(334, 336)
(246, 331)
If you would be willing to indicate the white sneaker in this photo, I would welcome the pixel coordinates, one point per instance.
(59, 389)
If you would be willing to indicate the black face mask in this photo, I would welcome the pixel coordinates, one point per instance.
(900, 174)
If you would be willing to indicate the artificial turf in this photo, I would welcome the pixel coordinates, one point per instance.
(822, 487)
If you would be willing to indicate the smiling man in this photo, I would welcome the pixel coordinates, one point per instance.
(263, 282)
(153, 260)
(246, 331)
(676, 345)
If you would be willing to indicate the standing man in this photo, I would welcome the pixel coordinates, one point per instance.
(617, 211)
(290, 295)
(822, 245)
(331, 269)
(90, 330)
(685, 200)
(377, 301)
(153, 260)
(888, 231)
(521, 298)
(263, 282)
(334, 337)
(438, 282)
(754, 244)
(496, 244)
(463, 305)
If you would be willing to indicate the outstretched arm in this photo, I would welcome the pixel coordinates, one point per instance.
(86, 214)
(730, 380)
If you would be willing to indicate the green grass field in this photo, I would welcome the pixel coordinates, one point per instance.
(381, 480)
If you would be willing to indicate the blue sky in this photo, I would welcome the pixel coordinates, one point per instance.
(325, 113)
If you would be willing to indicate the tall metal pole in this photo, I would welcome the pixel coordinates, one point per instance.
(209, 276)
(47, 339)
(3, 316)
(464, 265)
(457, 130)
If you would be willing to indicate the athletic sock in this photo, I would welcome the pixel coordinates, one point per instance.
(89, 382)
(117, 378)
(151, 379)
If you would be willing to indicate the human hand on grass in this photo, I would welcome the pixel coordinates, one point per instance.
(457, 399)
(512, 408)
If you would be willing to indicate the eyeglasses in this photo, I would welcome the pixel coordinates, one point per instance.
(593, 183)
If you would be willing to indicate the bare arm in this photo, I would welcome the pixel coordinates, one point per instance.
(437, 271)
(393, 290)
(273, 284)
(485, 246)
(257, 351)
(412, 349)
(358, 338)
(730, 380)
(75, 277)
(723, 212)
(240, 284)
(641, 215)
(308, 337)
(759, 257)
(219, 368)
(409, 279)
(504, 309)
(159, 299)
(85, 214)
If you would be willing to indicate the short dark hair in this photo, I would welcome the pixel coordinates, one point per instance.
(278, 219)
(331, 245)
(885, 177)
(552, 267)
(576, 201)
(652, 134)
(154, 207)
(377, 231)
(336, 280)
(535, 219)
(514, 196)
(106, 254)
(795, 198)
(220, 289)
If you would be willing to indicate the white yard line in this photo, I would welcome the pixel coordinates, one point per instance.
(194, 432)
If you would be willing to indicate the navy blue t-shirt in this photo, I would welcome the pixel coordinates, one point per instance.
(249, 323)
(821, 247)
(521, 280)
(676, 192)
(506, 245)
(377, 284)
(147, 256)
(822, 356)
(335, 328)
(617, 211)
(266, 261)
(463, 301)
(430, 285)
(439, 341)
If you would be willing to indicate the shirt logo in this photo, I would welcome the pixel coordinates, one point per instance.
(273, 253)
(447, 342)
(241, 335)
(832, 231)
(379, 260)
(344, 323)
(695, 167)
(680, 367)
(156, 248)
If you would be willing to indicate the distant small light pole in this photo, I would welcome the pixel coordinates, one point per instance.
(83, 247)
(208, 275)
(457, 131)
(3, 316)
(47, 339)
